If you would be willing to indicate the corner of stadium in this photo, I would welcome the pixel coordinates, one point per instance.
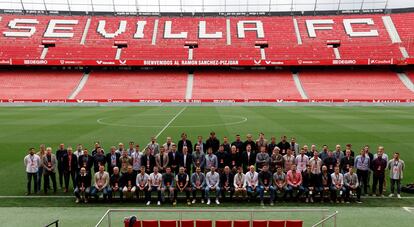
(109, 72)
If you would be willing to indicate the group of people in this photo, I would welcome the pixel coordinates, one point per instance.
(242, 170)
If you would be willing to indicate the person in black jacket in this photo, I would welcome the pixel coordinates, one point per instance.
(284, 145)
(325, 182)
(112, 160)
(116, 184)
(222, 159)
(346, 162)
(59, 156)
(174, 159)
(212, 142)
(309, 181)
(330, 162)
(248, 158)
(238, 143)
(201, 144)
(185, 142)
(234, 159)
(98, 159)
(70, 165)
(128, 180)
(83, 185)
(86, 161)
(227, 183)
(186, 160)
(226, 145)
(148, 160)
(250, 142)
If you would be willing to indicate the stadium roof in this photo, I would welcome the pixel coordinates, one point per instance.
(200, 6)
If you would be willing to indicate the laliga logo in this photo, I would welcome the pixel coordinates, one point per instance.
(99, 62)
(79, 100)
(122, 62)
(257, 62)
(268, 62)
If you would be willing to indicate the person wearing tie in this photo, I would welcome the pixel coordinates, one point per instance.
(32, 164)
(70, 163)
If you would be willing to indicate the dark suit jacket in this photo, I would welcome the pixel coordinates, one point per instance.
(148, 169)
(88, 164)
(189, 160)
(74, 163)
(109, 162)
(86, 180)
(223, 179)
(248, 162)
(174, 161)
(189, 146)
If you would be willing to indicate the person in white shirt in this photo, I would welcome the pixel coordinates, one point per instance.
(252, 182)
(79, 150)
(32, 164)
(212, 184)
(142, 183)
(316, 163)
(302, 161)
(240, 184)
(288, 160)
(337, 186)
(396, 167)
(136, 160)
(155, 185)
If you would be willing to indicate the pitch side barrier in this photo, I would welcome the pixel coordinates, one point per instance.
(200, 101)
(310, 217)
(211, 62)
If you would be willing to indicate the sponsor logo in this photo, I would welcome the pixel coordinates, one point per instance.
(224, 101)
(105, 62)
(257, 62)
(6, 62)
(268, 62)
(79, 100)
(344, 62)
(150, 101)
(380, 61)
(35, 62)
(122, 62)
(385, 101)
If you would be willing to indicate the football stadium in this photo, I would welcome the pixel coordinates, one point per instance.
(206, 113)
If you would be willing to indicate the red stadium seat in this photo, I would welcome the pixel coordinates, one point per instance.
(259, 223)
(241, 223)
(277, 223)
(223, 223)
(136, 224)
(168, 223)
(204, 223)
(187, 223)
(294, 223)
(149, 223)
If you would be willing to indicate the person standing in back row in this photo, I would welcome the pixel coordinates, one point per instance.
(396, 167)
(32, 164)
(362, 164)
(49, 169)
(59, 156)
(212, 142)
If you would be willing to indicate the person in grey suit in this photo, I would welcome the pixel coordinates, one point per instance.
(161, 160)
(49, 169)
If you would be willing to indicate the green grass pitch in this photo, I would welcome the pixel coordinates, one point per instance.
(24, 127)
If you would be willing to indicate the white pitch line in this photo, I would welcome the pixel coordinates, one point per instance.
(171, 121)
(409, 209)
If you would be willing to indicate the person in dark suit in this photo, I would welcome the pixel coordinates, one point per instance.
(250, 142)
(227, 183)
(184, 142)
(83, 185)
(174, 159)
(324, 180)
(148, 160)
(186, 160)
(86, 161)
(59, 156)
(112, 160)
(201, 144)
(212, 142)
(70, 165)
(222, 159)
(98, 159)
(248, 158)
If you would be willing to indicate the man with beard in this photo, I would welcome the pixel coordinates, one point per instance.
(249, 142)
(136, 156)
(184, 142)
(142, 183)
(240, 184)
(238, 143)
(222, 159)
(174, 159)
(326, 181)
(226, 145)
(351, 184)
(32, 163)
(212, 184)
(284, 145)
(276, 160)
(153, 146)
(125, 161)
(226, 183)
(101, 183)
(112, 160)
(346, 162)
(261, 141)
(294, 181)
(161, 160)
(330, 162)
(49, 169)
(154, 185)
(265, 181)
(200, 144)
(279, 182)
(116, 184)
(288, 160)
(182, 185)
(324, 153)
(86, 161)
(59, 156)
(294, 146)
(309, 184)
(302, 161)
(262, 158)
(198, 182)
(199, 159)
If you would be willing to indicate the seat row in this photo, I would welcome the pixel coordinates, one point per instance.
(217, 223)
